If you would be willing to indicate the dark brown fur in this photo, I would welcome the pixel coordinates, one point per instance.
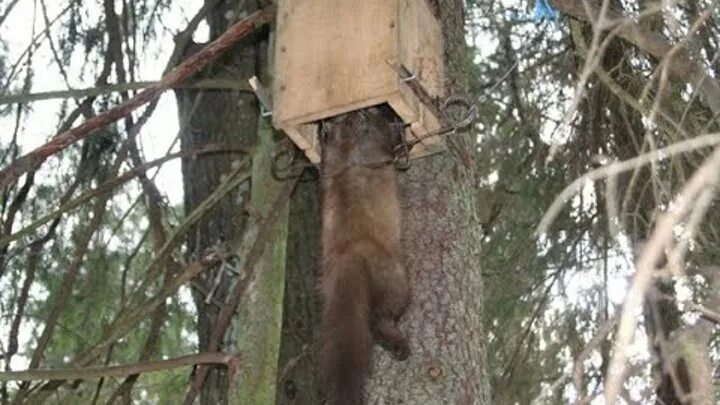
(364, 285)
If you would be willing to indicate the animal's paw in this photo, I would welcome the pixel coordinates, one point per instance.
(392, 340)
(400, 350)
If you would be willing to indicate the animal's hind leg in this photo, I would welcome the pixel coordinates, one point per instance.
(391, 338)
(390, 298)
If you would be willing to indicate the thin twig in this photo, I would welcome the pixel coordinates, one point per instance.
(252, 256)
(238, 176)
(189, 67)
(579, 366)
(623, 166)
(661, 239)
(85, 373)
(206, 84)
(7, 11)
(112, 185)
(680, 62)
(31, 47)
(126, 321)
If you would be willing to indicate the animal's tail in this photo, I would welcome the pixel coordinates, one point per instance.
(346, 352)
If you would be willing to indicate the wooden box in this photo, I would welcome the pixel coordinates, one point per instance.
(335, 56)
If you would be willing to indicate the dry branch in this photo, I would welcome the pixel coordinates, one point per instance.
(253, 245)
(209, 84)
(123, 324)
(252, 256)
(86, 373)
(662, 238)
(190, 66)
(623, 166)
(7, 11)
(594, 344)
(113, 184)
(128, 318)
(679, 60)
(238, 176)
(29, 49)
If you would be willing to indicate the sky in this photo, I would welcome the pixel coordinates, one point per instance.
(41, 123)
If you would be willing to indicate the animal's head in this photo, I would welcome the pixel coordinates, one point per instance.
(363, 137)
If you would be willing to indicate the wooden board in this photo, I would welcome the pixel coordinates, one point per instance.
(336, 56)
(420, 46)
(332, 54)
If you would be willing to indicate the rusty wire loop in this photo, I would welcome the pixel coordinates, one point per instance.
(287, 164)
(458, 112)
(469, 115)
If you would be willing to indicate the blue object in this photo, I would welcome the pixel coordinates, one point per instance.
(545, 11)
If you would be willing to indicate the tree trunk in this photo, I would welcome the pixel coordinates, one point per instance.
(441, 242)
(298, 376)
(211, 117)
(259, 319)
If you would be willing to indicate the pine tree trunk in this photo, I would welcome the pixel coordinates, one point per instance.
(441, 242)
(201, 176)
(259, 321)
(298, 376)
(216, 117)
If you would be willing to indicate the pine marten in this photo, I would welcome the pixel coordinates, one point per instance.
(364, 285)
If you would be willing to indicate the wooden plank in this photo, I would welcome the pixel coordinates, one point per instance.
(340, 109)
(299, 138)
(310, 133)
(405, 105)
(421, 45)
(330, 55)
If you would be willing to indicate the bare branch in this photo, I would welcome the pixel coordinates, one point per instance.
(206, 84)
(250, 246)
(85, 373)
(579, 367)
(254, 254)
(189, 67)
(619, 167)
(113, 184)
(662, 238)
(31, 46)
(678, 59)
(7, 11)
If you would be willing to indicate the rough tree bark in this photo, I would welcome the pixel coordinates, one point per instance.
(441, 241)
(259, 318)
(298, 381)
(208, 117)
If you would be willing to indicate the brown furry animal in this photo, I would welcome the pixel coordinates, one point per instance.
(364, 285)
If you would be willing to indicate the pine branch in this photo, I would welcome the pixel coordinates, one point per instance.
(677, 57)
(86, 373)
(189, 67)
(705, 179)
(238, 176)
(113, 184)
(129, 318)
(126, 320)
(260, 233)
(7, 11)
(692, 144)
(210, 84)
(29, 49)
